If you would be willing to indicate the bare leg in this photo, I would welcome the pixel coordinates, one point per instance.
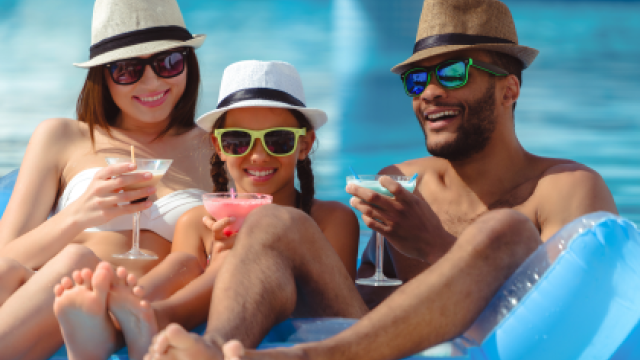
(28, 313)
(13, 275)
(280, 265)
(172, 274)
(81, 309)
(435, 306)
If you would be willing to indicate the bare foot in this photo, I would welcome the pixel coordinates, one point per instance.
(81, 309)
(136, 318)
(175, 342)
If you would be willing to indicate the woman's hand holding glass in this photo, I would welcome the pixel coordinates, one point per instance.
(105, 198)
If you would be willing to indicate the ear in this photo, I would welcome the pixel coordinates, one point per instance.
(305, 142)
(511, 91)
(217, 148)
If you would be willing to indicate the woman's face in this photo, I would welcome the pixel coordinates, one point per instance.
(147, 103)
(257, 171)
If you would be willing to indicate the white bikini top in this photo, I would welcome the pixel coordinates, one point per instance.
(160, 218)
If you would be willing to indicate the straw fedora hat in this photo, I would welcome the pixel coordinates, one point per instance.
(123, 29)
(450, 25)
(253, 83)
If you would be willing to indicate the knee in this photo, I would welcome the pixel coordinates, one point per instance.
(505, 231)
(277, 223)
(77, 256)
(12, 269)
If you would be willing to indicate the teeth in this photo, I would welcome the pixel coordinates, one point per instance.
(261, 173)
(441, 114)
(152, 98)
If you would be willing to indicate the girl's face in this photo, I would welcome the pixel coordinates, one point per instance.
(148, 103)
(257, 171)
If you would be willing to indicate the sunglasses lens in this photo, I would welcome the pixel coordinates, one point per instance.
(416, 81)
(280, 142)
(126, 71)
(452, 75)
(169, 65)
(236, 142)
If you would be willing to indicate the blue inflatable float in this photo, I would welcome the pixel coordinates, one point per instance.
(576, 297)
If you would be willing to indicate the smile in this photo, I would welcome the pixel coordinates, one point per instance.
(260, 173)
(442, 114)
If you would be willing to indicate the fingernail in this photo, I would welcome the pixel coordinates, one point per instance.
(232, 218)
(348, 188)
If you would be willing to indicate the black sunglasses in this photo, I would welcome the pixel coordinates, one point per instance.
(166, 65)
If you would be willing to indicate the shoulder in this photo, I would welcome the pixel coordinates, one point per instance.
(60, 129)
(330, 213)
(418, 166)
(568, 190)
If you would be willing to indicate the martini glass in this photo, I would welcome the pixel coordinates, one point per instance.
(371, 182)
(157, 168)
(227, 204)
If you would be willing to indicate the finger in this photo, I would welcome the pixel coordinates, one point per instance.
(125, 209)
(375, 225)
(394, 187)
(233, 350)
(369, 196)
(371, 211)
(129, 180)
(223, 223)
(131, 195)
(208, 221)
(114, 170)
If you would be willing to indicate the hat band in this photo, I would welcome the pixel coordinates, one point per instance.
(259, 94)
(172, 32)
(457, 39)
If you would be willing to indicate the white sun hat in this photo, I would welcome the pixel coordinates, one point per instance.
(124, 29)
(253, 83)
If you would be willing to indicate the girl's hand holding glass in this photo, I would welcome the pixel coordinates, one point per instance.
(105, 198)
(221, 238)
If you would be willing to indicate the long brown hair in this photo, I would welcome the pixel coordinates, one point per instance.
(303, 167)
(96, 107)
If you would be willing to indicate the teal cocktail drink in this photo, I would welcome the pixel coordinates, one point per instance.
(371, 182)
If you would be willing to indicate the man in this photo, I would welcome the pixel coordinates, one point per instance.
(482, 205)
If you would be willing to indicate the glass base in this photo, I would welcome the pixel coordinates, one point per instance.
(135, 255)
(379, 281)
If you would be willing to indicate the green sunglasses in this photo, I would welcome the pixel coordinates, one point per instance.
(451, 74)
(279, 141)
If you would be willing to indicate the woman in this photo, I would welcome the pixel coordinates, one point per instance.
(141, 90)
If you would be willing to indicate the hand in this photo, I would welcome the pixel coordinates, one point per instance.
(406, 220)
(100, 202)
(222, 239)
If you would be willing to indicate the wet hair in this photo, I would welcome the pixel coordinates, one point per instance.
(303, 167)
(95, 105)
(509, 63)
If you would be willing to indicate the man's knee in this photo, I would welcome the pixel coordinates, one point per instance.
(277, 220)
(505, 231)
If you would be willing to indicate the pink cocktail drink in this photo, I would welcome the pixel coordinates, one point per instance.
(224, 205)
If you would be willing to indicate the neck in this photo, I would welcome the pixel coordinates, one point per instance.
(141, 130)
(499, 168)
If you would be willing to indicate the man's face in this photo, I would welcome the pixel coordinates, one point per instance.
(457, 123)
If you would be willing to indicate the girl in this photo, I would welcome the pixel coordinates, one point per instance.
(262, 133)
(67, 210)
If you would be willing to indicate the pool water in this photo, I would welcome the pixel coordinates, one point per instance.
(578, 101)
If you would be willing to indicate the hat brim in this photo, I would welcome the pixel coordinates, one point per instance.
(316, 117)
(147, 48)
(525, 54)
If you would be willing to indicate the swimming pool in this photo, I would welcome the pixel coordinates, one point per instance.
(579, 98)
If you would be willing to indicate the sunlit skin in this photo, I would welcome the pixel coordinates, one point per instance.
(134, 114)
(280, 183)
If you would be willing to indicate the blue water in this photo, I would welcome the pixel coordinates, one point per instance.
(579, 98)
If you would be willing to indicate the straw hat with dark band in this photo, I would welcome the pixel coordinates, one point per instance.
(450, 25)
(123, 29)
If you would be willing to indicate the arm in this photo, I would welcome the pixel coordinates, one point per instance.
(26, 234)
(340, 226)
(567, 192)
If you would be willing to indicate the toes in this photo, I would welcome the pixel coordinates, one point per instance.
(122, 274)
(101, 280)
(66, 283)
(132, 280)
(138, 291)
(77, 278)
(86, 275)
(58, 290)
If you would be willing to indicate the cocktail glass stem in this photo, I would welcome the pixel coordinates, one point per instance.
(135, 252)
(378, 278)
